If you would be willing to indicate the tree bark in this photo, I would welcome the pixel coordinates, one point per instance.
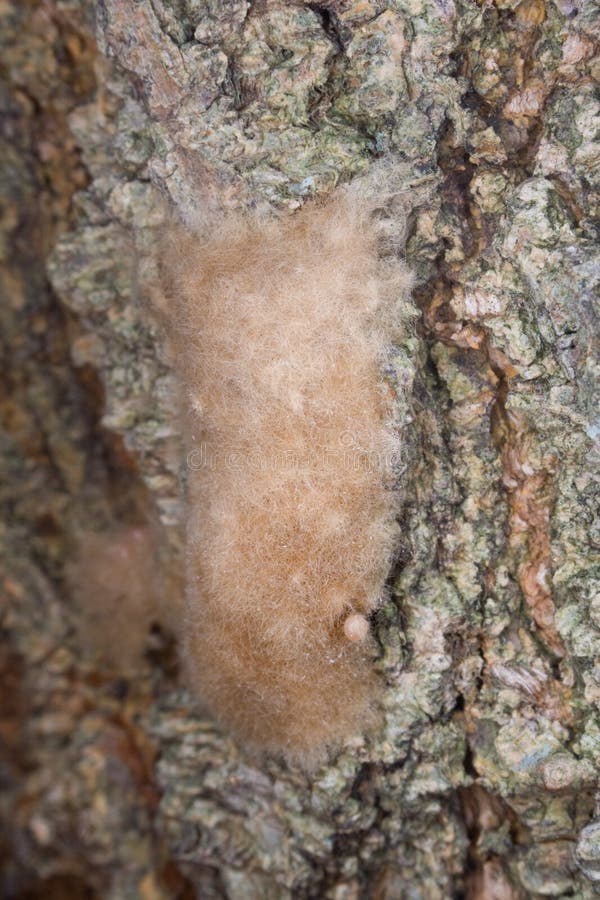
(482, 781)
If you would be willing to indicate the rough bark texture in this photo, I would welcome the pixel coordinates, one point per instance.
(483, 781)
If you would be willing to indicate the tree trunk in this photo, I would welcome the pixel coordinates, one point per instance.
(481, 782)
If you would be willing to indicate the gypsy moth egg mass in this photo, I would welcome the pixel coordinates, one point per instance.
(291, 514)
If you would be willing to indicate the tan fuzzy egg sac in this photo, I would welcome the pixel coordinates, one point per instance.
(278, 329)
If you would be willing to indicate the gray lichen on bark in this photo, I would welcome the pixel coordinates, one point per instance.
(483, 778)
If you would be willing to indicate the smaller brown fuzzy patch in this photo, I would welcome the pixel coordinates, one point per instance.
(119, 593)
